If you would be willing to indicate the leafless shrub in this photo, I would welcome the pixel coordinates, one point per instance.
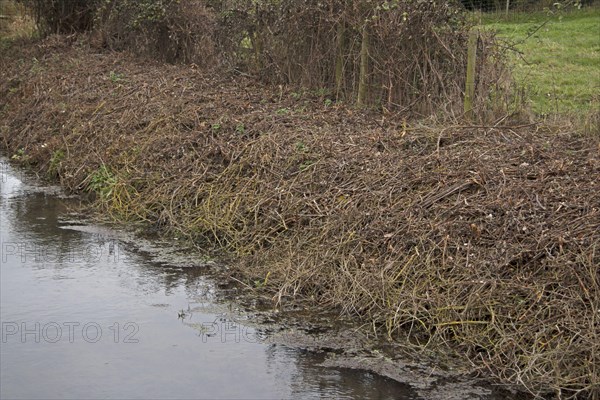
(62, 16)
(415, 56)
(169, 30)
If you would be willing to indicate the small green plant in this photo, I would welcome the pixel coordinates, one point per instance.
(301, 147)
(20, 156)
(240, 128)
(55, 161)
(215, 128)
(115, 77)
(35, 67)
(328, 102)
(246, 43)
(262, 283)
(283, 111)
(103, 182)
(306, 164)
(321, 92)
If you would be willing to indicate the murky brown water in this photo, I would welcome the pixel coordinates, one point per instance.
(85, 316)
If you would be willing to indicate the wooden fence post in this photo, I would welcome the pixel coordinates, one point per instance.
(471, 64)
(364, 67)
(339, 59)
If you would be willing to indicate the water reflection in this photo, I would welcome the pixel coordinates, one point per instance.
(84, 316)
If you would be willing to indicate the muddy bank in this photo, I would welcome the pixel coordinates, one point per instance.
(482, 240)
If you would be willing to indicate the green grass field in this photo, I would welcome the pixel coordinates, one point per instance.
(558, 58)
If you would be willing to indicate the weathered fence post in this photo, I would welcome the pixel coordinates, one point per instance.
(470, 83)
(339, 59)
(364, 67)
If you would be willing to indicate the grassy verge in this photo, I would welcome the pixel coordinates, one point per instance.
(558, 58)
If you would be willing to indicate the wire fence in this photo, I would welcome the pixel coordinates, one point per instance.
(508, 7)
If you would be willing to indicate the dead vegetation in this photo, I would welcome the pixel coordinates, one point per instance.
(396, 56)
(484, 238)
(171, 31)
